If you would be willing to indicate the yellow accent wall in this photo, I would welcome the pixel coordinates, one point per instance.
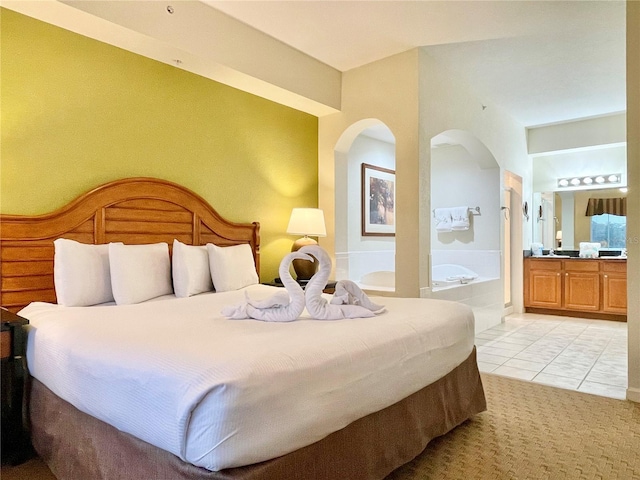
(76, 113)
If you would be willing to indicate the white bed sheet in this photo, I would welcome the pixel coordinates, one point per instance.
(221, 393)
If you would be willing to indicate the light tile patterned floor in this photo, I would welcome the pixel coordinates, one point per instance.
(574, 353)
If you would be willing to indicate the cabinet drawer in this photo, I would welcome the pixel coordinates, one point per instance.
(582, 266)
(539, 264)
(5, 344)
(619, 266)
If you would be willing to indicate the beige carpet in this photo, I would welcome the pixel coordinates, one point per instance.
(529, 432)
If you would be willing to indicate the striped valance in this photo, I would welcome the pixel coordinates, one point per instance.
(613, 206)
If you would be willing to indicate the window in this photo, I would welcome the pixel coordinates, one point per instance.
(610, 230)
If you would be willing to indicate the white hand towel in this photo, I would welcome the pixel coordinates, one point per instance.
(317, 306)
(460, 218)
(443, 219)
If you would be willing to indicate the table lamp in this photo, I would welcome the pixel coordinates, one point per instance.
(306, 221)
(559, 238)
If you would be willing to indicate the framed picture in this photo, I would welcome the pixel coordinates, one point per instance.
(378, 201)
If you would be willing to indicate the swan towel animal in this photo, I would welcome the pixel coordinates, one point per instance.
(282, 307)
(349, 300)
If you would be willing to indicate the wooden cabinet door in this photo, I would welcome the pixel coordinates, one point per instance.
(545, 289)
(614, 298)
(582, 291)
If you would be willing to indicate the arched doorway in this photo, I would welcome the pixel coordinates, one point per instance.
(466, 225)
(368, 260)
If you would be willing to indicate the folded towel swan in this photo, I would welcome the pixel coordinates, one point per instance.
(349, 300)
(348, 292)
(284, 306)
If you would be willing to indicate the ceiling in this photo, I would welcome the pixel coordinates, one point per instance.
(542, 61)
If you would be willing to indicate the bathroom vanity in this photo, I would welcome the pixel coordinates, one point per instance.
(590, 288)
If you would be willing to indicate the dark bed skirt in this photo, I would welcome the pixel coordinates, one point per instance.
(78, 446)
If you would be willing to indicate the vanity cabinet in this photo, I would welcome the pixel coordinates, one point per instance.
(582, 285)
(614, 285)
(544, 288)
(595, 288)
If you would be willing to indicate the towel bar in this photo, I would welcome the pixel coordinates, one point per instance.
(473, 211)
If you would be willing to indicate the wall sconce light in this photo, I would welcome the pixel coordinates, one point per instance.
(306, 221)
(608, 179)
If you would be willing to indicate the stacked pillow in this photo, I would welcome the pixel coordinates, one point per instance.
(93, 274)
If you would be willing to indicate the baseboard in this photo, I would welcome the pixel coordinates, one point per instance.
(633, 394)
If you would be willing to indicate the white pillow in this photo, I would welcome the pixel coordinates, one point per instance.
(191, 274)
(81, 273)
(231, 267)
(139, 272)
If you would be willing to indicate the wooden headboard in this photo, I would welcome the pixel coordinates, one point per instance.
(132, 211)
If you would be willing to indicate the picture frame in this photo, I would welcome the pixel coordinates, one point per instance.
(378, 201)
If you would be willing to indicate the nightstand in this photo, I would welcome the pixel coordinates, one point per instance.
(330, 287)
(16, 446)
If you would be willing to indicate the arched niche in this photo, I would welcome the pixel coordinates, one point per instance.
(366, 141)
(464, 173)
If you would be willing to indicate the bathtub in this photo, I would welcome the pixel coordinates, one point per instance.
(381, 281)
(480, 290)
(449, 274)
(484, 294)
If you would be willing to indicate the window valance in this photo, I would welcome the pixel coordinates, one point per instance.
(613, 206)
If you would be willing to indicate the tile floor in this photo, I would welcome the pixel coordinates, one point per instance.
(579, 354)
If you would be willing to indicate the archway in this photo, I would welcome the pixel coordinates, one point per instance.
(466, 225)
(368, 260)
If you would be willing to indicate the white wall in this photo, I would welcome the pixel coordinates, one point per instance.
(548, 168)
(386, 92)
(447, 104)
(605, 130)
(417, 99)
(457, 179)
(357, 255)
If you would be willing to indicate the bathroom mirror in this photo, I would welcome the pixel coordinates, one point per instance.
(566, 214)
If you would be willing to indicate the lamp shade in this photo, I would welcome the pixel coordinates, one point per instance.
(559, 235)
(307, 221)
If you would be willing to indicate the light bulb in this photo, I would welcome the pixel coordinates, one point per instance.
(563, 183)
(587, 180)
(613, 178)
(575, 181)
(599, 179)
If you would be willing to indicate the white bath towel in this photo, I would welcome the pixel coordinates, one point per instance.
(317, 306)
(281, 307)
(443, 219)
(460, 218)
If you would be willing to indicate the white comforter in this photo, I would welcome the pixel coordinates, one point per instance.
(221, 393)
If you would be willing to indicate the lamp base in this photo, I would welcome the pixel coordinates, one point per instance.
(304, 269)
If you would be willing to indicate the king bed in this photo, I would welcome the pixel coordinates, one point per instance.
(168, 388)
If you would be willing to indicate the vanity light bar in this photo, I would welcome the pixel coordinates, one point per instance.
(608, 179)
